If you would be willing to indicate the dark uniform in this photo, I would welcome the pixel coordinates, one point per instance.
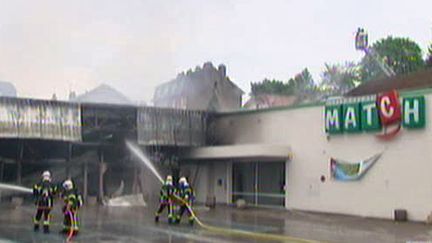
(187, 195)
(167, 193)
(43, 193)
(73, 201)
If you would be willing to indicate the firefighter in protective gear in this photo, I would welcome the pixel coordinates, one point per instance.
(167, 193)
(73, 201)
(187, 196)
(43, 193)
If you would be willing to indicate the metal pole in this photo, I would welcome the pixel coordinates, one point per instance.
(384, 67)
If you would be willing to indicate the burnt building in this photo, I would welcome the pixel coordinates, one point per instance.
(86, 142)
(206, 88)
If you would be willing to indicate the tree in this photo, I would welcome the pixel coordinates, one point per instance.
(429, 56)
(268, 86)
(338, 79)
(302, 86)
(302, 82)
(401, 54)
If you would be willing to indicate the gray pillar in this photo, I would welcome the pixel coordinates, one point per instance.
(135, 180)
(101, 173)
(210, 176)
(2, 164)
(211, 200)
(68, 161)
(85, 176)
(19, 171)
(1, 176)
(19, 164)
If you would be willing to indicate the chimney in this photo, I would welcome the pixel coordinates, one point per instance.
(72, 95)
(222, 70)
(208, 66)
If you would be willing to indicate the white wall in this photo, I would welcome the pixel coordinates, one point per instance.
(402, 178)
(200, 183)
(221, 191)
(208, 175)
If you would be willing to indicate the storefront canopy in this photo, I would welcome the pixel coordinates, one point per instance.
(239, 152)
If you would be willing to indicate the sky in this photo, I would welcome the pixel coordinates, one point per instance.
(60, 46)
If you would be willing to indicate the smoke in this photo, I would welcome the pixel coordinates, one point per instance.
(53, 46)
(61, 50)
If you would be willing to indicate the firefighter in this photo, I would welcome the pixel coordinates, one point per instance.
(73, 201)
(187, 196)
(43, 193)
(167, 193)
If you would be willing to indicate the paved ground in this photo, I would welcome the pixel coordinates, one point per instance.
(108, 224)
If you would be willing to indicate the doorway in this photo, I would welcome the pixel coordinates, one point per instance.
(259, 183)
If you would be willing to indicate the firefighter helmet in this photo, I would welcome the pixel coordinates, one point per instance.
(183, 180)
(169, 180)
(67, 184)
(46, 176)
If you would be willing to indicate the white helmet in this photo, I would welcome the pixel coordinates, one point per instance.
(183, 180)
(67, 184)
(46, 176)
(169, 180)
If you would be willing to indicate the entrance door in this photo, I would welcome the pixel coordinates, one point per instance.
(244, 182)
(271, 183)
(259, 183)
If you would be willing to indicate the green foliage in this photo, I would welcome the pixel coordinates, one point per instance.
(271, 87)
(303, 81)
(429, 57)
(401, 54)
(302, 84)
(339, 78)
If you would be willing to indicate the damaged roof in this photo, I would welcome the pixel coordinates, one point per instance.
(416, 80)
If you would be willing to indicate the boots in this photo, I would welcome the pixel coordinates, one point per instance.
(171, 220)
(46, 229)
(36, 228)
(157, 218)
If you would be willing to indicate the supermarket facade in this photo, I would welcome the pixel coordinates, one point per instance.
(365, 155)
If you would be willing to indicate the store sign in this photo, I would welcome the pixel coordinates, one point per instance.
(374, 113)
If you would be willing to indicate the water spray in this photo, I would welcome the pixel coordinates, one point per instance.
(218, 230)
(15, 188)
(137, 151)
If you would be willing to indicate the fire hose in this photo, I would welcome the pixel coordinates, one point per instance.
(242, 233)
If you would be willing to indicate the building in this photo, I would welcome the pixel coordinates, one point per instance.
(101, 94)
(7, 89)
(206, 88)
(362, 155)
(281, 157)
(86, 142)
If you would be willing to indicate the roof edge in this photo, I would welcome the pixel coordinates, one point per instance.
(403, 93)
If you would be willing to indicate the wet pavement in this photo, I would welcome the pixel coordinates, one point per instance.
(136, 224)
